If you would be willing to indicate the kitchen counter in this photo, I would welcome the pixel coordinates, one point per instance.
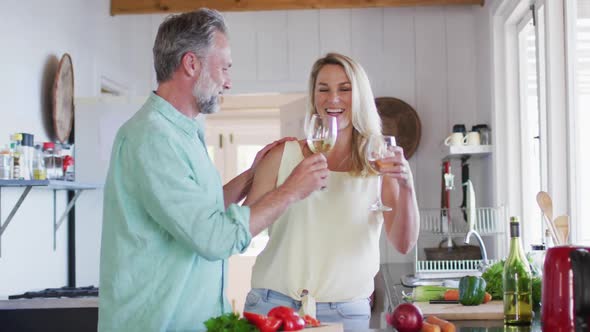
(494, 326)
(71, 308)
(392, 275)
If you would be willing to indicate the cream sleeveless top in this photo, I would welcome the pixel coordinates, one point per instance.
(327, 244)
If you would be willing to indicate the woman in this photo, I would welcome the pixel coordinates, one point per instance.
(323, 252)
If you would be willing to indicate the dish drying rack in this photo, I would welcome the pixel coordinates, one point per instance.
(488, 223)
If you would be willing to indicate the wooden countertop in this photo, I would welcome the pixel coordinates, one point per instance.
(49, 303)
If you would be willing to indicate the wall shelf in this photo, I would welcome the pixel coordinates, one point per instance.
(54, 185)
(466, 151)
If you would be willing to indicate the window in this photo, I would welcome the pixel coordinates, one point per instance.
(526, 102)
(532, 118)
(578, 42)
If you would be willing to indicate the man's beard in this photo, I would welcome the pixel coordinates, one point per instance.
(205, 94)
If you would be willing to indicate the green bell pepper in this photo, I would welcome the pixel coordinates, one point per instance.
(472, 290)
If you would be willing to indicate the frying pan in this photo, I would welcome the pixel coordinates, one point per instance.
(63, 99)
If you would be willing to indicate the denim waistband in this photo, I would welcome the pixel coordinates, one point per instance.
(269, 293)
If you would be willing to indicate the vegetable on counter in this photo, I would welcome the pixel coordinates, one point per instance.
(229, 322)
(493, 278)
(537, 287)
(406, 317)
(280, 319)
(427, 327)
(263, 323)
(472, 290)
(427, 293)
(487, 298)
(291, 321)
(310, 321)
(445, 326)
(452, 295)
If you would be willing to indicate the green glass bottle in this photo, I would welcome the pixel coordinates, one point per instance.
(517, 281)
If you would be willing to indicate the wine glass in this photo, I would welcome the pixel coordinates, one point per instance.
(321, 133)
(379, 147)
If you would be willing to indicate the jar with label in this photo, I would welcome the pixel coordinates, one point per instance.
(17, 157)
(39, 170)
(59, 162)
(5, 163)
(49, 159)
(28, 155)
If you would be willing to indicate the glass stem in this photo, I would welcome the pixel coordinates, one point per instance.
(379, 183)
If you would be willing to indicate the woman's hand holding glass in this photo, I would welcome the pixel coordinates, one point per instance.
(321, 133)
(380, 153)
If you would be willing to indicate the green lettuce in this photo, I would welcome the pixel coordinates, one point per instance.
(229, 322)
(493, 277)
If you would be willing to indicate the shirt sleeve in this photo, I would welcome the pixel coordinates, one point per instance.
(175, 198)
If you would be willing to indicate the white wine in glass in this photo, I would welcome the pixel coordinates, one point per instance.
(379, 147)
(321, 133)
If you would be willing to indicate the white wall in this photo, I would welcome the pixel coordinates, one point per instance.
(35, 35)
(434, 58)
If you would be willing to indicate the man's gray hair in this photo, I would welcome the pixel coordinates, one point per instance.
(182, 33)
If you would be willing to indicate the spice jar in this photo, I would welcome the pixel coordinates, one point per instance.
(5, 162)
(49, 159)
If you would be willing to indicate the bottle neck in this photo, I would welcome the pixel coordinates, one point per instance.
(515, 244)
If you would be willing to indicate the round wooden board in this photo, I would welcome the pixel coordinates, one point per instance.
(63, 99)
(400, 120)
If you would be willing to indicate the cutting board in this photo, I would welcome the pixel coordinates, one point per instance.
(491, 310)
(329, 327)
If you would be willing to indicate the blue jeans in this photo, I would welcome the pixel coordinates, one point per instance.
(353, 315)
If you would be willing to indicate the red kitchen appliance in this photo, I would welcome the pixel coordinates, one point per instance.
(566, 290)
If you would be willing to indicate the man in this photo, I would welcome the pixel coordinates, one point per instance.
(169, 226)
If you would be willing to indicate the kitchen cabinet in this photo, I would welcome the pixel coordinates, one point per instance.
(54, 185)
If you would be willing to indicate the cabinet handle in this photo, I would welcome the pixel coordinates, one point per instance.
(220, 141)
(231, 138)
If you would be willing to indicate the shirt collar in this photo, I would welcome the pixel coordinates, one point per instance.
(189, 125)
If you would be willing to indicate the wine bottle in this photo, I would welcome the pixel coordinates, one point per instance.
(517, 281)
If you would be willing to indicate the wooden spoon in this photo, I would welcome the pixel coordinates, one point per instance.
(546, 204)
(562, 224)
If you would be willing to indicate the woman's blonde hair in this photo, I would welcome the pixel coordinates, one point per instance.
(365, 119)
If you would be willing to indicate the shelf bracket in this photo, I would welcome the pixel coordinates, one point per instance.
(57, 224)
(12, 213)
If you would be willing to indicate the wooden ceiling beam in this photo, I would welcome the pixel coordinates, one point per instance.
(119, 7)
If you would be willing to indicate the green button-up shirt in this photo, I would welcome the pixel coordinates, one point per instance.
(166, 235)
